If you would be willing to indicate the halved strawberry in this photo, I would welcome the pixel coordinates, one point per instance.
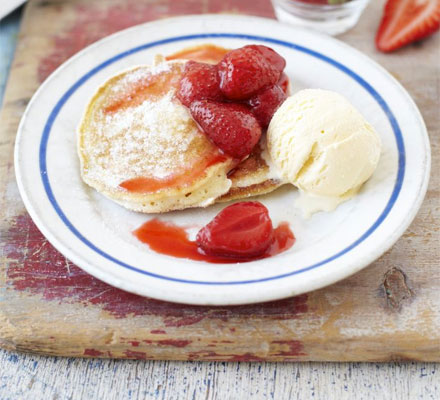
(241, 230)
(406, 21)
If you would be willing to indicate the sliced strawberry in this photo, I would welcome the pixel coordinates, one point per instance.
(231, 127)
(244, 72)
(200, 81)
(264, 104)
(271, 55)
(405, 21)
(241, 230)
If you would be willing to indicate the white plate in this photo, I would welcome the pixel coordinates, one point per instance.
(96, 234)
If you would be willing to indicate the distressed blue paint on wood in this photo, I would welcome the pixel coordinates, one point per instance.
(8, 38)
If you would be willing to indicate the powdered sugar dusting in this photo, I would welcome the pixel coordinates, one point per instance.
(140, 73)
(153, 139)
(160, 67)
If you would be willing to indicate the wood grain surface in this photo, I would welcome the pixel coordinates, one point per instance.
(30, 377)
(389, 311)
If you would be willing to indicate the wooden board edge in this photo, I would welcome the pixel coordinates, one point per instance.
(283, 348)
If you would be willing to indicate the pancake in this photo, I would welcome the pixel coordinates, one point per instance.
(254, 176)
(139, 146)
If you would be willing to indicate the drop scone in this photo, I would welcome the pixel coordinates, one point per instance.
(139, 145)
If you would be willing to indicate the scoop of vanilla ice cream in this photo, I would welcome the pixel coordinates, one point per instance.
(324, 146)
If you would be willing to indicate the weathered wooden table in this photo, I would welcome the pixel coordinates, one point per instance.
(24, 376)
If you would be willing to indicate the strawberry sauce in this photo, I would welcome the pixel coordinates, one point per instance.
(150, 86)
(208, 53)
(172, 240)
(151, 185)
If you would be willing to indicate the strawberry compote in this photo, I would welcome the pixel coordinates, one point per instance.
(234, 99)
(241, 232)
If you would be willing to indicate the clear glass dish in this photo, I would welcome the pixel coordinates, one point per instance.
(332, 19)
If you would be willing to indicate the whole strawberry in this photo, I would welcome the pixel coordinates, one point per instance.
(283, 83)
(270, 55)
(231, 127)
(244, 72)
(264, 104)
(241, 230)
(199, 81)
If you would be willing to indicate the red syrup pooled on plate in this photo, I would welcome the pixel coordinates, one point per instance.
(172, 240)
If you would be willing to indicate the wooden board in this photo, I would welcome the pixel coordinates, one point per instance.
(389, 311)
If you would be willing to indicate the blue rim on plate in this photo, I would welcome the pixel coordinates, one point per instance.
(55, 111)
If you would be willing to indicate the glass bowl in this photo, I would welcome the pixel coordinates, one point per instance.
(332, 19)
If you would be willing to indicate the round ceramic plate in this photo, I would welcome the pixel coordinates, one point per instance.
(96, 234)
